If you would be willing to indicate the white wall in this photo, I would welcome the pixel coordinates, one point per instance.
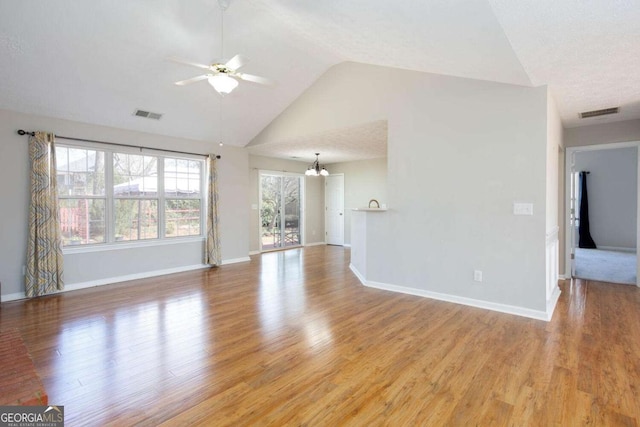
(606, 133)
(101, 266)
(562, 220)
(460, 152)
(613, 195)
(555, 145)
(363, 180)
(313, 200)
(555, 182)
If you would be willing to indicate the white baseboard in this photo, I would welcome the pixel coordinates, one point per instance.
(279, 249)
(125, 278)
(315, 244)
(136, 276)
(615, 248)
(502, 308)
(551, 304)
(347, 245)
(13, 297)
(235, 260)
(357, 273)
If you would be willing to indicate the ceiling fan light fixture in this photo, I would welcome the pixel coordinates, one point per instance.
(222, 83)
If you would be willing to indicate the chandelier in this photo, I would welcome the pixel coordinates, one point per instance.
(314, 169)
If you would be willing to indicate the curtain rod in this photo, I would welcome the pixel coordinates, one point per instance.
(217, 156)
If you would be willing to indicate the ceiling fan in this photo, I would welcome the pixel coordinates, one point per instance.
(223, 76)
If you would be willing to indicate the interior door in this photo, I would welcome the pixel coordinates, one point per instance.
(334, 209)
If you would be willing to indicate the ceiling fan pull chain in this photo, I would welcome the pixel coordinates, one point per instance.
(223, 75)
(222, 9)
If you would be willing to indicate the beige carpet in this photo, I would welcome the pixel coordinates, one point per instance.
(606, 266)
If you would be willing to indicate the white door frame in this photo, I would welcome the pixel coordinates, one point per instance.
(570, 152)
(573, 212)
(302, 218)
(325, 211)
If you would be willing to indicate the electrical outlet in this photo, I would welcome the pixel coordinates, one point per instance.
(477, 276)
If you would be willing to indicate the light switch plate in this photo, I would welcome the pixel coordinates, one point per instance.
(522, 208)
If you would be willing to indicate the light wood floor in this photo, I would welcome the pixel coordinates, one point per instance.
(292, 338)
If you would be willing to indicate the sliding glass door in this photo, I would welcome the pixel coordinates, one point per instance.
(280, 210)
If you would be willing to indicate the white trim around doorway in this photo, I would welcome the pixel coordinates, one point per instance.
(303, 191)
(569, 152)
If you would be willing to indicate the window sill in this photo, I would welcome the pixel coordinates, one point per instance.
(104, 247)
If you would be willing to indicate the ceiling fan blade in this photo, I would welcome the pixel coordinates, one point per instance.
(255, 79)
(193, 64)
(191, 80)
(236, 62)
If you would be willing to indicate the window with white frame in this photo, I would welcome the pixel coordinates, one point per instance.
(183, 203)
(109, 196)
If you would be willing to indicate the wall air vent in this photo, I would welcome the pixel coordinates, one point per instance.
(596, 113)
(147, 114)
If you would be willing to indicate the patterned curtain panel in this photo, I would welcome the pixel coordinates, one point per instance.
(44, 247)
(212, 251)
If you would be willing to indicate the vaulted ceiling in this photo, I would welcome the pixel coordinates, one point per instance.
(98, 61)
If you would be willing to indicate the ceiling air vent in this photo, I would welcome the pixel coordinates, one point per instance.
(147, 114)
(596, 113)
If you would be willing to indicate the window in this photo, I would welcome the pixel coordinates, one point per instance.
(281, 196)
(117, 196)
(81, 189)
(182, 183)
(135, 196)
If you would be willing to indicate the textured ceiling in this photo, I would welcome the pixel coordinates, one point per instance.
(588, 52)
(97, 61)
(459, 38)
(367, 141)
